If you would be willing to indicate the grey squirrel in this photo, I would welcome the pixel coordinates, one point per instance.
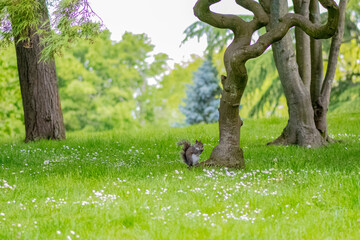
(191, 154)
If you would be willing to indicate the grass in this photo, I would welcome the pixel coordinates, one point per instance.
(117, 185)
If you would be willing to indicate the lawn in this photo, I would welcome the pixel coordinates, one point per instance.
(133, 185)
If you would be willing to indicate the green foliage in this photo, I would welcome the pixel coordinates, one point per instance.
(347, 101)
(171, 91)
(71, 20)
(263, 96)
(11, 113)
(349, 62)
(98, 83)
(23, 16)
(103, 85)
(353, 10)
(133, 185)
(351, 28)
(345, 94)
(216, 38)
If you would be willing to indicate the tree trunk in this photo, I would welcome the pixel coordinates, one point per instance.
(303, 55)
(39, 90)
(300, 129)
(228, 153)
(317, 70)
(321, 105)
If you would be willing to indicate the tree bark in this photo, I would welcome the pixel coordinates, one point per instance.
(317, 70)
(300, 129)
(303, 56)
(228, 153)
(321, 104)
(39, 90)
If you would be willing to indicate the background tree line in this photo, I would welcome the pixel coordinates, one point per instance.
(123, 85)
(97, 88)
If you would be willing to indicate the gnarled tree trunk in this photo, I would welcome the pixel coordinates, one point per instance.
(307, 107)
(300, 129)
(228, 152)
(39, 90)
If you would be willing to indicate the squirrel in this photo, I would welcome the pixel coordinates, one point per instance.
(191, 154)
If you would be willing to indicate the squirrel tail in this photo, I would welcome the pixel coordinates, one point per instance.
(185, 147)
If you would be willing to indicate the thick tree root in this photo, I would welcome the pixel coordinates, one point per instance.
(332, 140)
(225, 156)
(301, 136)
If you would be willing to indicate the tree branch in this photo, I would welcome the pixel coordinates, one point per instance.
(261, 18)
(279, 30)
(202, 11)
(334, 52)
(265, 5)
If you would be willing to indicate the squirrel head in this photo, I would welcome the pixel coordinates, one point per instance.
(199, 145)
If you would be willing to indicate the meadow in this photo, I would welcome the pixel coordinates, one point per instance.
(133, 185)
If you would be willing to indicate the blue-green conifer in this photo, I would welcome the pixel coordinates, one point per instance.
(202, 101)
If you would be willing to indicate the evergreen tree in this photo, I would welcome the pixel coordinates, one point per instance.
(202, 102)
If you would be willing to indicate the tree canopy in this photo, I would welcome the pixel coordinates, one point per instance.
(70, 20)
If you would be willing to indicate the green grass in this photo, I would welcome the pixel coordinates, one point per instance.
(118, 185)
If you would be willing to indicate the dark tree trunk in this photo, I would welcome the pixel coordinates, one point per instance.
(300, 129)
(39, 90)
(228, 153)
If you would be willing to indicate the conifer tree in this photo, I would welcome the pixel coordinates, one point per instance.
(202, 102)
